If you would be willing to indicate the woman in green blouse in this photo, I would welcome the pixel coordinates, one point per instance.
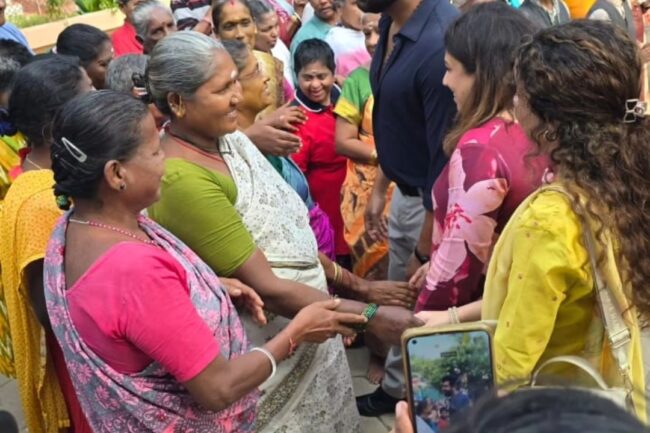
(224, 199)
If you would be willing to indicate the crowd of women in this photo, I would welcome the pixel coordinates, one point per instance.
(194, 222)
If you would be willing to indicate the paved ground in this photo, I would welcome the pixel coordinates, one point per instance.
(358, 359)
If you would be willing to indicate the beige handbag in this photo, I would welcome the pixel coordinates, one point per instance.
(617, 331)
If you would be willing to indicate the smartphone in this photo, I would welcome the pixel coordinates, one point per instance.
(447, 370)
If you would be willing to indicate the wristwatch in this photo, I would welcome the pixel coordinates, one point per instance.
(421, 258)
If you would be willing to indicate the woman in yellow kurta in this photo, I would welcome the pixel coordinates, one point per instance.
(540, 286)
(28, 214)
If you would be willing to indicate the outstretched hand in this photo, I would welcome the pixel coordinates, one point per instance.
(397, 293)
(245, 297)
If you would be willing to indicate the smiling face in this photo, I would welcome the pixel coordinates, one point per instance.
(97, 68)
(457, 80)
(255, 86)
(268, 31)
(315, 81)
(236, 22)
(212, 110)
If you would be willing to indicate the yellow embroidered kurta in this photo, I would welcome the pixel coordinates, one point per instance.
(539, 288)
(29, 213)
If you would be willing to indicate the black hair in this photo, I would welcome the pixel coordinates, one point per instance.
(547, 410)
(489, 59)
(15, 51)
(239, 52)
(40, 89)
(313, 50)
(259, 8)
(448, 378)
(8, 70)
(84, 140)
(83, 41)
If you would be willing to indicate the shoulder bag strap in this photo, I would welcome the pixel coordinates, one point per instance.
(617, 331)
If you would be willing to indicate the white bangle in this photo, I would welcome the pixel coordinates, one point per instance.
(274, 366)
(453, 315)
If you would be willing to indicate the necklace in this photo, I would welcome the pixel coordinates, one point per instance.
(191, 146)
(28, 159)
(112, 228)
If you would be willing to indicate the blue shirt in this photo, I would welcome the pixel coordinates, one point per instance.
(11, 32)
(412, 108)
(315, 28)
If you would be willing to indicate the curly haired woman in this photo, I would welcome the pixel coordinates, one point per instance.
(577, 86)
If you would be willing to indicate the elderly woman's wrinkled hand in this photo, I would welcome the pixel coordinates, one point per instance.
(390, 322)
(271, 140)
(319, 322)
(286, 117)
(397, 293)
(246, 298)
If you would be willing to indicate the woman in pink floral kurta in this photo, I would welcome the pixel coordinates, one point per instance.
(489, 172)
(486, 178)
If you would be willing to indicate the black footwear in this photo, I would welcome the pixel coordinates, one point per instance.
(7, 422)
(376, 404)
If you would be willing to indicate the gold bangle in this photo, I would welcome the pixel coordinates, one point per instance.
(337, 273)
(373, 157)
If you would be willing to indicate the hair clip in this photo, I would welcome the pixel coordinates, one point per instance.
(634, 110)
(77, 153)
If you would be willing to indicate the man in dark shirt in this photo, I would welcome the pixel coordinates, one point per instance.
(411, 114)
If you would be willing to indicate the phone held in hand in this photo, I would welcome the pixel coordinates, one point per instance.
(447, 370)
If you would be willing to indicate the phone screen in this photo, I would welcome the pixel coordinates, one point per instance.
(448, 372)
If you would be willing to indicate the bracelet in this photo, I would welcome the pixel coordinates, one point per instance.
(274, 366)
(453, 315)
(421, 258)
(373, 157)
(369, 312)
(337, 273)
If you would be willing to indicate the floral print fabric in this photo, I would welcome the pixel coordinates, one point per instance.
(488, 175)
(151, 400)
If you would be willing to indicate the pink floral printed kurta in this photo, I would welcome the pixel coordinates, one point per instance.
(486, 178)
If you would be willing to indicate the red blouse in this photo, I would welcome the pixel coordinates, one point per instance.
(317, 158)
(124, 41)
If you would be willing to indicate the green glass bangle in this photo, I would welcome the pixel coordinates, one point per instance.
(369, 312)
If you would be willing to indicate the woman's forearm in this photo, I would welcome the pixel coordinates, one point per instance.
(283, 297)
(349, 145)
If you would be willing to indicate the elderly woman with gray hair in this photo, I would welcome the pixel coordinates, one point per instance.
(126, 75)
(152, 21)
(224, 199)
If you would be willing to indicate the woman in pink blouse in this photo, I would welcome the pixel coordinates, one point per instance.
(489, 172)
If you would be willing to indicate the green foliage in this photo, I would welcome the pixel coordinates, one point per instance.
(23, 21)
(470, 358)
(86, 6)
